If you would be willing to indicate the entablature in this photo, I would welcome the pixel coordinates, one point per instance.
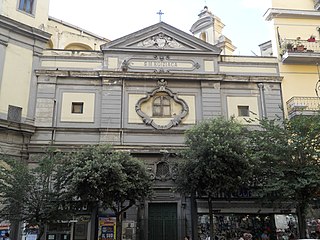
(156, 76)
(273, 13)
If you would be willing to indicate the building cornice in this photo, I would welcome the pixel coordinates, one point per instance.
(273, 13)
(157, 76)
(17, 127)
(77, 28)
(133, 149)
(23, 29)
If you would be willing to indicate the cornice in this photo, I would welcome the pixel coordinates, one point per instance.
(273, 13)
(50, 18)
(134, 149)
(129, 75)
(4, 42)
(23, 29)
(17, 127)
(157, 76)
(202, 23)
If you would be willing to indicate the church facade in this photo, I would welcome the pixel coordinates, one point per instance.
(138, 93)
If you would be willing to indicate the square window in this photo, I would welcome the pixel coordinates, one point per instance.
(243, 111)
(26, 6)
(77, 107)
(14, 113)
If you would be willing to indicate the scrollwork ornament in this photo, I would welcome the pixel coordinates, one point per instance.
(175, 120)
(318, 88)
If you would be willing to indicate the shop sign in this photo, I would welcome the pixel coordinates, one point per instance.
(107, 228)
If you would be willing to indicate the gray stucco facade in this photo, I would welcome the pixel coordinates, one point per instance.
(118, 98)
(157, 60)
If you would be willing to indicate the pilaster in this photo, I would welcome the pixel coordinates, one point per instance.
(3, 46)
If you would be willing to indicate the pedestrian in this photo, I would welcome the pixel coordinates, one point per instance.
(264, 235)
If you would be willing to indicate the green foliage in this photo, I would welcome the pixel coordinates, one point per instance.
(288, 154)
(15, 184)
(289, 157)
(28, 194)
(216, 158)
(112, 178)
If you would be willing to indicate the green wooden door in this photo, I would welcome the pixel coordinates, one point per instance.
(162, 224)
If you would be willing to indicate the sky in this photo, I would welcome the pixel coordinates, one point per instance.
(245, 24)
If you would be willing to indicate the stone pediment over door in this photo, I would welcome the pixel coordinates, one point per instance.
(161, 38)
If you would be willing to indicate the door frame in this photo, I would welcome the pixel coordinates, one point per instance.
(180, 217)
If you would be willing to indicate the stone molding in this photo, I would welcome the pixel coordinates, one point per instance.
(175, 121)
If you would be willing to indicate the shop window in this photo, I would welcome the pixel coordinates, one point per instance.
(26, 6)
(243, 111)
(77, 107)
(162, 107)
(233, 226)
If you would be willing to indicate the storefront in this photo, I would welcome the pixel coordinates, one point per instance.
(4, 228)
(232, 226)
(244, 214)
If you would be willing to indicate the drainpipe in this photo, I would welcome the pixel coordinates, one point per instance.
(122, 114)
(53, 133)
(262, 100)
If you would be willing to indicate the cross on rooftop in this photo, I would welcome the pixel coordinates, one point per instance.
(160, 14)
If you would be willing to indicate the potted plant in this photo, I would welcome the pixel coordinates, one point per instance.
(312, 38)
(289, 47)
(299, 45)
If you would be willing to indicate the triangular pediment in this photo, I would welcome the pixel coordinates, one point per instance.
(161, 37)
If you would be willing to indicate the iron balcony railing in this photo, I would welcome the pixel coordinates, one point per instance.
(297, 45)
(303, 104)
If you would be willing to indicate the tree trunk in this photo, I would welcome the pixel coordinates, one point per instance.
(301, 213)
(119, 225)
(210, 217)
(14, 229)
(194, 217)
(41, 231)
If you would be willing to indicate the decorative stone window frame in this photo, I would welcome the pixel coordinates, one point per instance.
(169, 173)
(160, 173)
(162, 88)
(164, 102)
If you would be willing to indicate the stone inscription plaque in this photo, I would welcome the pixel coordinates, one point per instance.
(162, 65)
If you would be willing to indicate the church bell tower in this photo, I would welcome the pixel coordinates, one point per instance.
(209, 29)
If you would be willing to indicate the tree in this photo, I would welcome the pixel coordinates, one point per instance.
(216, 161)
(112, 179)
(288, 154)
(27, 194)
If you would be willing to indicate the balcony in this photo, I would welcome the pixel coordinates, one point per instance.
(303, 106)
(297, 51)
(317, 5)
